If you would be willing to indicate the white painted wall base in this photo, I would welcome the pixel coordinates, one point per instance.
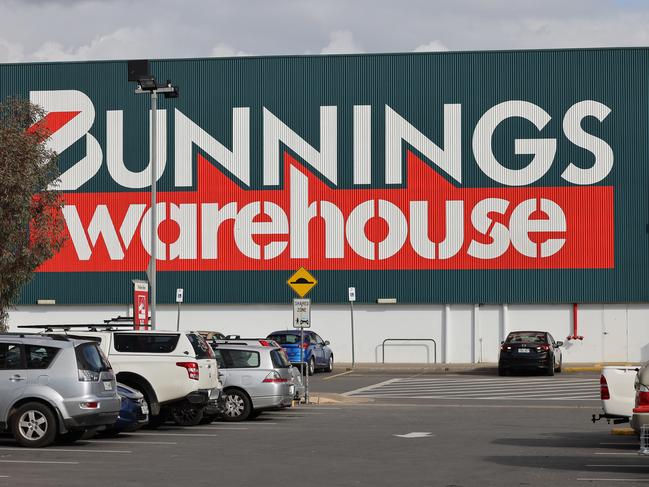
(463, 333)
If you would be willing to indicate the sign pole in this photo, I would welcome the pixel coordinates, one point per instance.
(179, 299)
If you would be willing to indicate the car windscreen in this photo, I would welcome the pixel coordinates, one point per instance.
(279, 360)
(236, 359)
(146, 343)
(286, 338)
(200, 346)
(526, 337)
(91, 358)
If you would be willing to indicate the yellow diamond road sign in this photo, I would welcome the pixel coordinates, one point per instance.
(301, 282)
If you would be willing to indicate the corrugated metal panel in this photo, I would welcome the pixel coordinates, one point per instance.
(431, 178)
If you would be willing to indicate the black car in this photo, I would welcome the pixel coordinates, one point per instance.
(530, 350)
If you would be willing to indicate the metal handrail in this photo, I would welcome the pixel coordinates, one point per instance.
(410, 340)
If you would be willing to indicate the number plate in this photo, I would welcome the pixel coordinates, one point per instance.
(108, 385)
(523, 350)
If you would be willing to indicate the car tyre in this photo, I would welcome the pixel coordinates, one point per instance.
(560, 365)
(187, 414)
(311, 366)
(34, 425)
(330, 365)
(502, 372)
(237, 406)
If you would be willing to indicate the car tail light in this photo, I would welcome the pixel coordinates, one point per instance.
(264, 343)
(505, 348)
(274, 377)
(88, 375)
(544, 348)
(305, 345)
(642, 399)
(89, 405)
(604, 394)
(192, 369)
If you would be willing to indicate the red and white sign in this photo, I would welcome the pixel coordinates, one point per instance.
(141, 305)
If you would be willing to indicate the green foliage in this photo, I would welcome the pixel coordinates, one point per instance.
(32, 226)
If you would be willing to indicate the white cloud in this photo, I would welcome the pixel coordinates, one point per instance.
(10, 52)
(341, 42)
(433, 46)
(224, 50)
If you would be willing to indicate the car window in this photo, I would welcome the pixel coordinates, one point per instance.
(146, 343)
(312, 340)
(219, 359)
(39, 357)
(551, 340)
(200, 346)
(526, 337)
(279, 359)
(286, 338)
(238, 359)
(319, 340)
(91, 358)
(11, 356)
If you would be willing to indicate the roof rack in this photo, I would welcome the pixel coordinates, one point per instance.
(72, 326)
(35, 335)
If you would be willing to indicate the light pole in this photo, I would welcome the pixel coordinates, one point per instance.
(146, 83)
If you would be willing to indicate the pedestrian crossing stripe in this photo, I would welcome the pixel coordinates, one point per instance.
(489, 388)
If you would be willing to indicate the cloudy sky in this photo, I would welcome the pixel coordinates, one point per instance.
(58, 30)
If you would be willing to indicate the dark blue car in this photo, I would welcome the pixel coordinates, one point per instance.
(133, 414)
(317, 353)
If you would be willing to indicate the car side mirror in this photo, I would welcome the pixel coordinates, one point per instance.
(559, 344)
(327, 342)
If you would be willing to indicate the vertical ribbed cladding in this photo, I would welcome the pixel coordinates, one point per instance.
(416, 87)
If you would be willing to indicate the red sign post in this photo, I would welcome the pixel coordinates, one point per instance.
(141, 305)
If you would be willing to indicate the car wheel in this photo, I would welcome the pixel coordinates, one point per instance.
(34, 425)
(311, 366)
(502, 372)
(187, 414)
(560, 364)
(237, 406)
(71, 436)
(330, 365)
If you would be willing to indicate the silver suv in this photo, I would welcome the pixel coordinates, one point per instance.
(54, 386)
(255, 378)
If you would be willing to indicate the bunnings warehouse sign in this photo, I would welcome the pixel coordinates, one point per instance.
(484, 177)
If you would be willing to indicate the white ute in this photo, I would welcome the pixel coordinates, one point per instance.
(617, 392)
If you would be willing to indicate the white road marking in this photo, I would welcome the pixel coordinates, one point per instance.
(213, 428)
(614, 480)
(54, 450)
(39, 462)
(130, 442)
(632, 443)
(416, 434)
(616, 453)
(170, 434)
(338, 375)
(459, 387)
(621, 466)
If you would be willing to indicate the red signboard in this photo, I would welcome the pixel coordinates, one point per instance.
(141, 305)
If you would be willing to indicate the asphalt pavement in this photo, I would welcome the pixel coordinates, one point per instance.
(388, 441)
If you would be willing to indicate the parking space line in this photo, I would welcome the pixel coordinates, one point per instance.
(634, 442)
(126, 440)
(621, 466)
(54, 450)
(613, 480)
(213, 428)
(171, 434)
(616, 453)
(338, 375)
(39, 462)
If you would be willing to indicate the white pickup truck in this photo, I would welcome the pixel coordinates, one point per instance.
(617, 391)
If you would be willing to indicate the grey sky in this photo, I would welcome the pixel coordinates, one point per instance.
(52, 30)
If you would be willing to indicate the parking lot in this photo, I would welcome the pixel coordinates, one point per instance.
(453, 430)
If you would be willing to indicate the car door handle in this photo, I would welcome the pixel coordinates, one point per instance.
(16, 378)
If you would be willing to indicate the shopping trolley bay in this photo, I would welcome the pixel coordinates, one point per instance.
(367, 430)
